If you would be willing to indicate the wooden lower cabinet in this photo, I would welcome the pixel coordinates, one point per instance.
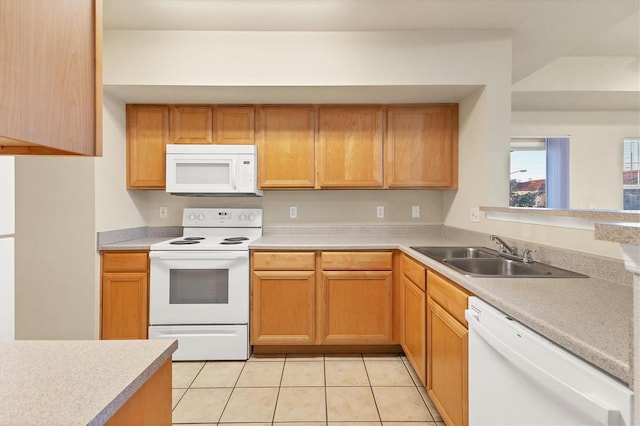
(414, 338)
(356, 307)
(283, 307)
(124, 300)
(298, 301)
(447, 350)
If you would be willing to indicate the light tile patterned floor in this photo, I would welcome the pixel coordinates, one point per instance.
(309, 390)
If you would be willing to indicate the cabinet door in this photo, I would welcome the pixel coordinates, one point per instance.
(235, 125)
(147, 137)
(356, 307)
(51, 77)
(414, 339)
(286, 150)
(191, 124)
(283, 307)
(421, 147)
(350, 147)
(447, 352)
(124, 305)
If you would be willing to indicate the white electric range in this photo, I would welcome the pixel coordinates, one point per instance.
(199, 284)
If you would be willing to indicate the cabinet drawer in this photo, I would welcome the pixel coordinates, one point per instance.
(413, 271)
(356, 260)
(284, 261)
(448, 295)
(125, 261)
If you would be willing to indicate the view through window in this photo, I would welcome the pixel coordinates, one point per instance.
(539, 173)
(631, 173)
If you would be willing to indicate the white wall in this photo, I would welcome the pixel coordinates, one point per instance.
(596, 149)
(56, 264)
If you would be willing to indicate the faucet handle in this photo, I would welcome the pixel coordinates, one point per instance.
(527, 255)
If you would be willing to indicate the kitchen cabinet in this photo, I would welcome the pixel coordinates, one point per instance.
(283, 301)
(191, 124)
(350, 146)
(356, 297)
(421, 147)
(51, 77)
(147, 138)
(323, 298)
(414, 317)
(235, 125)
(447, 349)
(286, 147)
(124, 312)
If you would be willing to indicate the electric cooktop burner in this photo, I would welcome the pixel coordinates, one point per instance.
(236, 239)
(228, 243)
(193, 238)
(184, 242)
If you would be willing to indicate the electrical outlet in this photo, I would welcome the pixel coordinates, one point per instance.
(163, 212)
(415, 211)
(475, 214)
(293, 212)
(380, 212)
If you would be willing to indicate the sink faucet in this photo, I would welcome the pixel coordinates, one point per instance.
(510, 252)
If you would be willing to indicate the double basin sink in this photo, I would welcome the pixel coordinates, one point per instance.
(484, 262)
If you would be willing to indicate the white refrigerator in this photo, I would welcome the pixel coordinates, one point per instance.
(7, 248)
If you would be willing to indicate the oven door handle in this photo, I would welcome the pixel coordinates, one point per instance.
(188, 255)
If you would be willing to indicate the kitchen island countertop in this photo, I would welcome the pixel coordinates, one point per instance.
(588, 316)
(74, 381)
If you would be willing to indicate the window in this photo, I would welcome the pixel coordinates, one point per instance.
(631, 173)
(539, 175)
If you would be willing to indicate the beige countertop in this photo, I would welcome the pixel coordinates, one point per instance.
(588, 316)
(622, 232)
(132, 245)
(74, 381)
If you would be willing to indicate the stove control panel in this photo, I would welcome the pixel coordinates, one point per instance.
(236, 218)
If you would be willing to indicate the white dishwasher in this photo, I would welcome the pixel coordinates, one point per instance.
(518, 377)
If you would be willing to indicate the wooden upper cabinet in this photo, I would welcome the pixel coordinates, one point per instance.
(191, 124)
(286, 147)
(350, 146)
(147, 137)
(235, 125)
(422, 147)
(51, 77)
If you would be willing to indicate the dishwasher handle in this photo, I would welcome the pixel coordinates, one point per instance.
(599, 411)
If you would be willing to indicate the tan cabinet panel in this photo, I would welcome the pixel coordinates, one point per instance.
(284, 261)
(286, 147)
(421, 147)
(414, 271)
(51, 77)
(447, 378)
(124, 295)
(147, 137)
(414, 341)
(350, 146)
(356, 307)
(356, 260)
(447, 349)
(283, 307)
(235, 125)
(191, 124)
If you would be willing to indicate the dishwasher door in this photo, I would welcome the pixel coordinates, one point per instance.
(517, 377)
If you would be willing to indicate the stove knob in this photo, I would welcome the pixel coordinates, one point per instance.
(251, 217)
(242, 216)
(192, 217)
(200, 216)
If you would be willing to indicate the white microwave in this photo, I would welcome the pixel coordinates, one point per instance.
(211, 170)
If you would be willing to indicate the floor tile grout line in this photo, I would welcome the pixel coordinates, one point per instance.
(235, 385)
(275, 407)
(373, 395)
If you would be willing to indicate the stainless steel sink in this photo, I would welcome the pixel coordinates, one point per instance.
(484, 262)
(457, 252)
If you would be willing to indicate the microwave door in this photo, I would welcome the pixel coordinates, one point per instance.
(202, 174)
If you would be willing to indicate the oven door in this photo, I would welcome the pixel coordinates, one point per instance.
(188, 287)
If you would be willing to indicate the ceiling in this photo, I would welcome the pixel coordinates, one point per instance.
(543, 30)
